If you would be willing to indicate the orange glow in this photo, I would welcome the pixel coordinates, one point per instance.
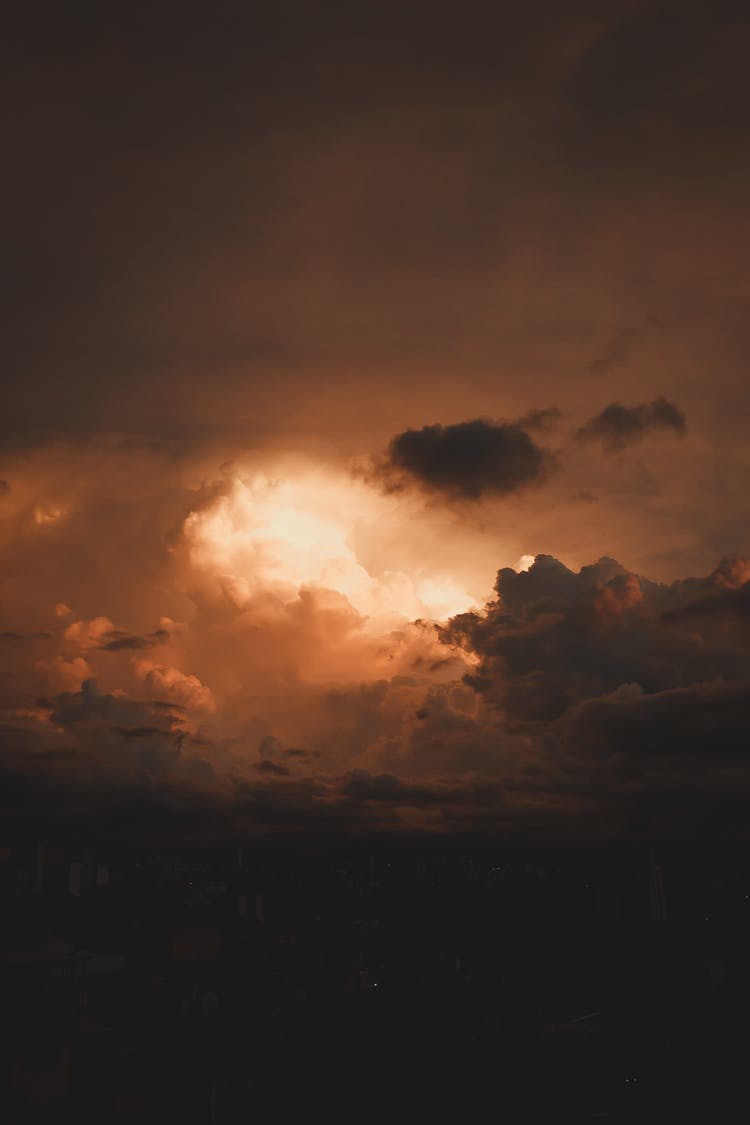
(300, 531)
(524, 563)
(48, 513)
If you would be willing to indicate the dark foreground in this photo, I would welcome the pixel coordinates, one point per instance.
(402, 979)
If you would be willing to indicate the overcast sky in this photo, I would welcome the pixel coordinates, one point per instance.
(317, 317)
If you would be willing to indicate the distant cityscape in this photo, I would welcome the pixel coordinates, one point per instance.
(213, 985)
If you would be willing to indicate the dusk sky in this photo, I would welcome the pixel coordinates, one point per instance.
(322, 322)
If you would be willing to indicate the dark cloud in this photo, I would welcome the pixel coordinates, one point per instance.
(542, 419)
(361, 785)
(468, 459)
(267, 766)
(118, 641)
(633, 695)
(718, 602)
(700, 727)
(92, 760)
(12, 638)
(618, 426)
(133, 734)
(554, 637)
(114, 728)
(365, 786)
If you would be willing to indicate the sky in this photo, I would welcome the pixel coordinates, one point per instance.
(373, 446)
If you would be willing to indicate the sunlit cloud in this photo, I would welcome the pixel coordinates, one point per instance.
(164, 682)
(524, 563)
(299, 531)
(88, 634)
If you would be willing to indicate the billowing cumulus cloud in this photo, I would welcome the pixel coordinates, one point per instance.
(163, 682)
(618, 426)
(468, 459)
(576, 702)
(554, 637)
(629, 691)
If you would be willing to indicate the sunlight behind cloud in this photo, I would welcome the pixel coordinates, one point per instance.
(283, 535)
(524, 563)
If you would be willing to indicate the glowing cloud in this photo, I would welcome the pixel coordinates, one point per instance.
(524, 563)
(283, 535)
(165, 682)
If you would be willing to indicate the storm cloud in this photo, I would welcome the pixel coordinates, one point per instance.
(554, 638)
(468, 459)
